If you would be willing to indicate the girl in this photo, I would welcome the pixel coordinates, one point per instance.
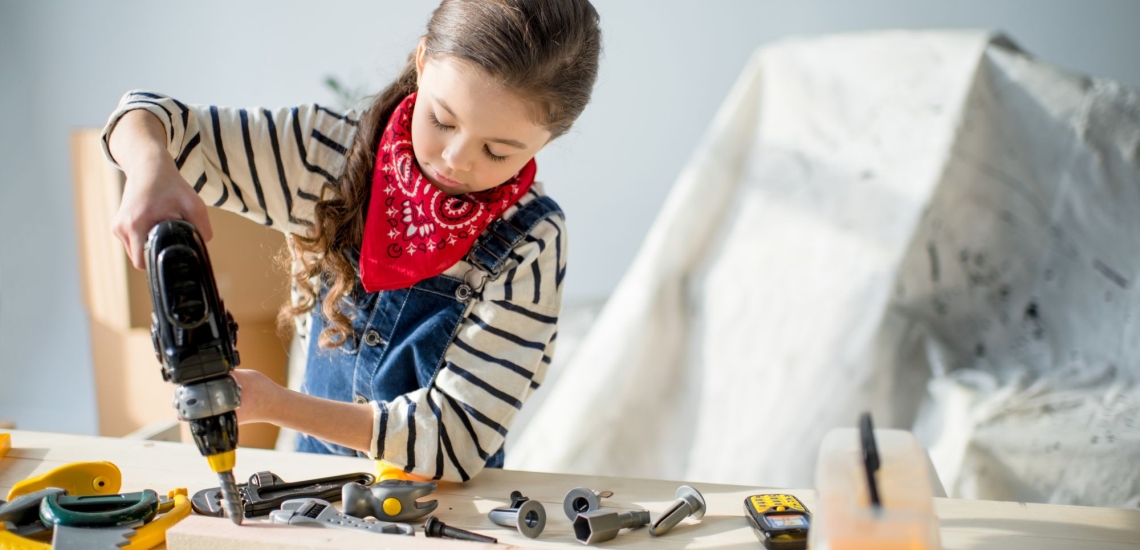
(427, 263)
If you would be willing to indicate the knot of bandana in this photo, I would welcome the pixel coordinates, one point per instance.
(414, 230)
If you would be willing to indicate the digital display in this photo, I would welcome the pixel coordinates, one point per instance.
(784, 521)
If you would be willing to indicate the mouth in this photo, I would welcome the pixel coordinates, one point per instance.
(443, 180)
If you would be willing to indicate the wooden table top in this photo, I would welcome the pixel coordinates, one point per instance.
(965, 524)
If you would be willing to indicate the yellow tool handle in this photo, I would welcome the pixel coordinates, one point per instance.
(77, 478)
(5, 444)
(154, 533)
(387, 470)
(11, 541)
(146, 537)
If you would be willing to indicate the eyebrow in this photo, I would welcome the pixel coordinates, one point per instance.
(511, 142)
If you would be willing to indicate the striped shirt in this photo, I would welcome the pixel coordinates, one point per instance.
(270, 166)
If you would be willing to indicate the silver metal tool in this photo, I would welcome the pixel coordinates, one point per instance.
(581, 500)
(314, 512)
(602, 525)
(90, 538)
(389, 500)
(689, 503)
(528, 516)
(23, 513)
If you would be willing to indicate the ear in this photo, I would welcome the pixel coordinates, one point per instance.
(421, 57)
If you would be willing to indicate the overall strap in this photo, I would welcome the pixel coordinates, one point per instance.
(493, 248)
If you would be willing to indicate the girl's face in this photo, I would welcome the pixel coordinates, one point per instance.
(469, 132)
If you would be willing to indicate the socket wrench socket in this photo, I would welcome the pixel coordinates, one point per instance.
(602, 525)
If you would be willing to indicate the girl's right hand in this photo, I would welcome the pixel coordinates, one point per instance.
(154, 190)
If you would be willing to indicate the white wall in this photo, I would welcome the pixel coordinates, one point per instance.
(667, 66)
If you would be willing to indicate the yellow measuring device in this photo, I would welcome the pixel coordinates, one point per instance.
(780, 521)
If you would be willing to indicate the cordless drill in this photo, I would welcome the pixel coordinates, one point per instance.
(194, 338)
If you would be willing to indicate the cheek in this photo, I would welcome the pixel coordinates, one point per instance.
(426, 142)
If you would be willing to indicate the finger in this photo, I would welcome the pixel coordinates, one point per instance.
(135, 248)
(198, 215)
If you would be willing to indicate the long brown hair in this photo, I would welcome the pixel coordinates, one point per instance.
(545, 51)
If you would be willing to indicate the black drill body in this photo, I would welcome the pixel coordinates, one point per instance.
(195, 339)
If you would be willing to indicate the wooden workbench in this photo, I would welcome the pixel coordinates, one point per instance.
(163, 466)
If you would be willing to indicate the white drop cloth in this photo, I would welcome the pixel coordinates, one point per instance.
(929, 225)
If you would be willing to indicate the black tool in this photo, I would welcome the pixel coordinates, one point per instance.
(870, 457)
(266, 492)
(780, 521)
(194, 338)
(433, 528)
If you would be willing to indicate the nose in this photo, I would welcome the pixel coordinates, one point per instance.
(457, 157)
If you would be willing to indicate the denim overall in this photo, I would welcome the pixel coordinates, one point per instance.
(399, 337)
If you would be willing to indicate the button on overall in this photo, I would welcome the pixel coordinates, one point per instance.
(419, 322)
(372, 338)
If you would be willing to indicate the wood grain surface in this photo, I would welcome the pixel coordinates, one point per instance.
(162, 466)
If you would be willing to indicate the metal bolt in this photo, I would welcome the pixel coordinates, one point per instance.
(581, 500)
(603, 525)
(689, 503)
(527, 515)
(433, 528)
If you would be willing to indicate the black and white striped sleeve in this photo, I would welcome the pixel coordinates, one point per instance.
(497, 359)
(267, 165)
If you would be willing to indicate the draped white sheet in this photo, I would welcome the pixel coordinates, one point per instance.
(932, 226)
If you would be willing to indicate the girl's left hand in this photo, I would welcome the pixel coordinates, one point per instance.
(259, 395)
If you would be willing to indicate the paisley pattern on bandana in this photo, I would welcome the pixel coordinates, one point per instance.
(414, 230)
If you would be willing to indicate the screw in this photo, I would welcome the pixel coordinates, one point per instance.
(433, 528)
(689, 503)
(527, 515)
(581, 500)
(603, 525)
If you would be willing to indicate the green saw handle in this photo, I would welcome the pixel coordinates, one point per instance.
(99, 510)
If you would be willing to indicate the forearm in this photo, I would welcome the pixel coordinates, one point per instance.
(346, 424)
(139, 141)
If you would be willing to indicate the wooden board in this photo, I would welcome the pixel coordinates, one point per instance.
(161, 466)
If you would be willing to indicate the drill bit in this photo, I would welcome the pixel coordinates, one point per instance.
(231, 498)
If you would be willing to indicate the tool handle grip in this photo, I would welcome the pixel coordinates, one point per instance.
(99, 510)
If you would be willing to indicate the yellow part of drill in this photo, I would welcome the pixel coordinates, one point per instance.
(223, 465)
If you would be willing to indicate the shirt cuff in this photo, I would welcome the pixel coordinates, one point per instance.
(376, 413)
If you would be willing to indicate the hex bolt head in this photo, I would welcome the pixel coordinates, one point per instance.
(602, 525)
(581, 500)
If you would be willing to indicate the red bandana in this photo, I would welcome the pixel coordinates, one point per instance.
(413, 230)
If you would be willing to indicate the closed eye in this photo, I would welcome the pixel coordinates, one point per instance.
(493, 156)
(438, 124)
(486, 150)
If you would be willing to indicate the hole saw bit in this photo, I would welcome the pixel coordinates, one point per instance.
(195, 339)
